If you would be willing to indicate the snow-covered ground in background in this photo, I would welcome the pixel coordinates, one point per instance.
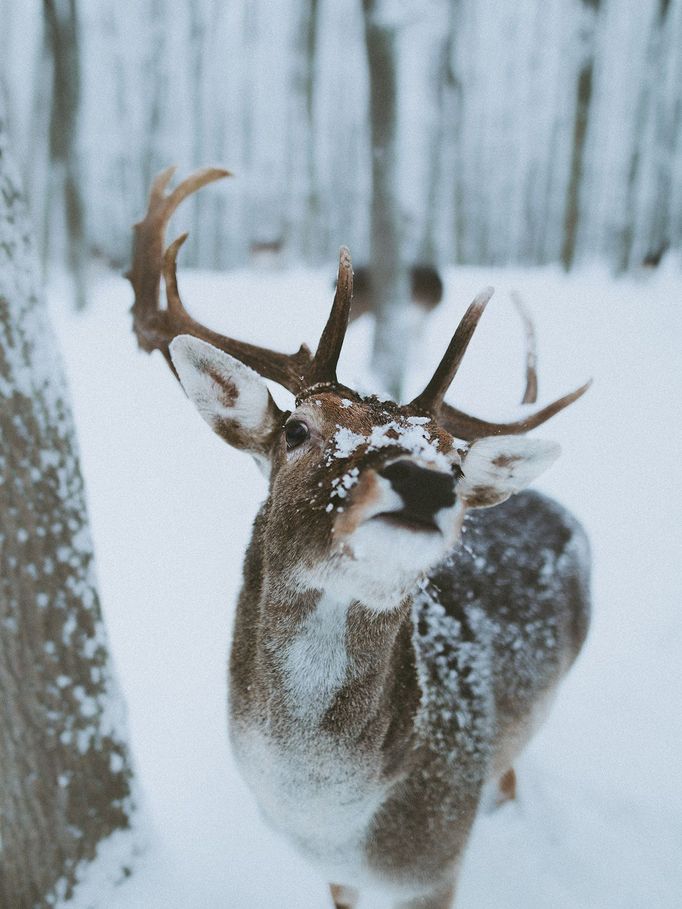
(598, 821)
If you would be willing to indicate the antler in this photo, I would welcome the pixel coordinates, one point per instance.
(431, 398)
(462, 425)
(323, 367)
(155, 327)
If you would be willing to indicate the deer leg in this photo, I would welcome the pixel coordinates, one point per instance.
(506, 788)
(344, 897)
(441, 898)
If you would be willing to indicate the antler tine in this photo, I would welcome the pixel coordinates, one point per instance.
(155, 327)
(530, 394)
(170, 278)
(323, 367)
(431, 399)
(468, 428)
(148, 241)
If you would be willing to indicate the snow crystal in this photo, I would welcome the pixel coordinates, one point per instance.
(346, 442)
(341, 485)
(116, 762)
(410, 435)
(454, 676)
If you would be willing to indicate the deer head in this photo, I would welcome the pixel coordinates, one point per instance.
(364, 494)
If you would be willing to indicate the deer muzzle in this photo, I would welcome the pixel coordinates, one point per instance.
(423, 492)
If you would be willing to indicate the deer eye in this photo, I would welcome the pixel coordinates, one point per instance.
(295, 433)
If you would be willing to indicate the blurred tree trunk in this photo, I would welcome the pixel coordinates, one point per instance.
(645, 101)
(582, 112)
(388, 272)
(66, 778)
(305, 84)
(437, 107)
(62, 36)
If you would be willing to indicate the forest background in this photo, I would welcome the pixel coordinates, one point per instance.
(536, 145)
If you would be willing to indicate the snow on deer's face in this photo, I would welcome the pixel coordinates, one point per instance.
(367, 487)
(364, 494)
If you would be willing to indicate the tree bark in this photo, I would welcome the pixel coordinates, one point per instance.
(388, 272)
(65, 772)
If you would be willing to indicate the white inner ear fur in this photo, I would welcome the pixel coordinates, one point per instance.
(497, 467)
(224, 390)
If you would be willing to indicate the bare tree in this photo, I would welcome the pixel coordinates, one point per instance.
(582, 111)
(645, 107)
(66, 778)
(63, 40)
(388, 272)
(304, 205)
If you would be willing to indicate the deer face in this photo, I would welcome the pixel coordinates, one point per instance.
(364, 494)
(376, 481)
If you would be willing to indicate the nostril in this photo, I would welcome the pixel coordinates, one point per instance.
(423, 491)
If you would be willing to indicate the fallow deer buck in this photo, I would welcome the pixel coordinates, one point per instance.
(381, 671)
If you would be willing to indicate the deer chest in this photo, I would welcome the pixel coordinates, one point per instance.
(313, 791)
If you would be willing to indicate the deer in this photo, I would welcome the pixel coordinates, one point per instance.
(408, 608)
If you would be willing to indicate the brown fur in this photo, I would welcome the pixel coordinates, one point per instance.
(344, 897)
(482, 497)
(365, 495)
(507, 787)
(506, 460)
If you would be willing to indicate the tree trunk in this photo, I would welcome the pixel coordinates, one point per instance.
(62, 34)
(647, 91)
(435, 107)
(389, 273)
(582, 111)
(66, 778)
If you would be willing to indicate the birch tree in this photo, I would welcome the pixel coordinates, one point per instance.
(65, 774)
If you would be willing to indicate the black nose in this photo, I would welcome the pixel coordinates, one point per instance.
(423, 491)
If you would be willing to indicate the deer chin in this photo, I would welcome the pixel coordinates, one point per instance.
(404, 529)
(396, 545)
(377, 565)
(382, 547)
(404, 520)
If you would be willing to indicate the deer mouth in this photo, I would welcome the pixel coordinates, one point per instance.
(408, 520)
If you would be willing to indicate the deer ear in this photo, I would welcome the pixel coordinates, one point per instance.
(495, 468)
(231, 397)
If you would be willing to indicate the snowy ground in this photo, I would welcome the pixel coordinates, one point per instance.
(598, 822)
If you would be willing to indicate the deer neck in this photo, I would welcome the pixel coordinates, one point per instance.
(330, 662)
(314, 657)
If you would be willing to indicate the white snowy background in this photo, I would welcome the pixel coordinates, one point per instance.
(598, 820)
(486, 122)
